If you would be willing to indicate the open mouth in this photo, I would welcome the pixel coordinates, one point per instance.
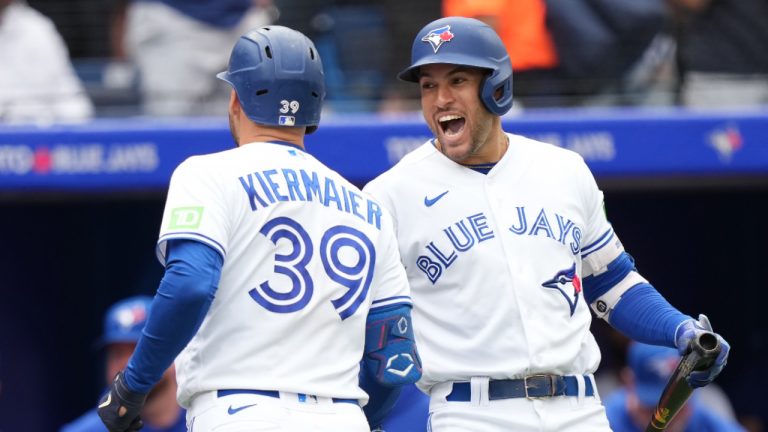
(452, 124)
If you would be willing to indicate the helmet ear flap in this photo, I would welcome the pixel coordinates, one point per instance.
(493, 84)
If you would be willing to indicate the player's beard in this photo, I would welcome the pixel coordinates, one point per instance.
(481, 129)
(233, 131)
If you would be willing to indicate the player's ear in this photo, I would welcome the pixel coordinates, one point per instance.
(234, 104)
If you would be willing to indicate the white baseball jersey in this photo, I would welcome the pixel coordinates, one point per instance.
(495, 261)
(306, 255)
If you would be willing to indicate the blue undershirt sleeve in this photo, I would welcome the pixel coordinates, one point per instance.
(381, 398)
(645, 316)
(183, 298)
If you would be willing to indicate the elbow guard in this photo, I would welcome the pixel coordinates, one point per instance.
(390, 355)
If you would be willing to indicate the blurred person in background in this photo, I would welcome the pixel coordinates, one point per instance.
(522, 27)
(723, 52)
(37, 81)
(123, 324)
(569, 52)
(648, 369)
(178, 46)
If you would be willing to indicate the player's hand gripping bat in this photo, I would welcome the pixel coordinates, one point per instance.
(705, 348)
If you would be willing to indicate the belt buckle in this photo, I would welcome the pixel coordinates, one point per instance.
(551, 386)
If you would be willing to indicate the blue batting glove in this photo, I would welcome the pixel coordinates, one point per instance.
(686, 332)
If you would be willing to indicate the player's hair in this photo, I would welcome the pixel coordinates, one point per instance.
(278, 77)
(470, 43)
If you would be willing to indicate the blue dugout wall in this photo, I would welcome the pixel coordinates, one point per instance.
(80, 209)
(139, 155)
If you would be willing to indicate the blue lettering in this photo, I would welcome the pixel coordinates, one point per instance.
(564, 228)
(374, 214)
(430, 268)
(311, 185)
(446, 260)
(480, 225)
(331, 194)
(469, 241)
(274, 186)
(250, 190)
(576, 244)
(346, 198)
(523, 222)
(264, 187)
(542, 224)
(354, 197)
(292, 181)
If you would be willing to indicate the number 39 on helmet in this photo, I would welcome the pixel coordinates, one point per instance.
(278, 77)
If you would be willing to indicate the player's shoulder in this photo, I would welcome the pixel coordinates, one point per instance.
(543, 149)
(206, 164)
(88, 422)
(546, 159)
(410, 164)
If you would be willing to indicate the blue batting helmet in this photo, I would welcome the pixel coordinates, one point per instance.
(278, 77)
(125, 320)
(466, 42)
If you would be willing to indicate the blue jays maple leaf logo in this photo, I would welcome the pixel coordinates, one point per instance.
(566, 280)
(438, 37)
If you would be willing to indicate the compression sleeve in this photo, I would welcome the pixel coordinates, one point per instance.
(381, 398)
(183, 298)
(646, 316)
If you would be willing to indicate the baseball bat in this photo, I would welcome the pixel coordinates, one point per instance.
(704, 350)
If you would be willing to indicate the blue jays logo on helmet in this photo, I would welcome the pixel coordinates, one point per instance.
(465, 42)
(561, 282)
(438, 37)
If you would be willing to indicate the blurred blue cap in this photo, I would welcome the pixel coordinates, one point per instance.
(652, 366)
(125, 320)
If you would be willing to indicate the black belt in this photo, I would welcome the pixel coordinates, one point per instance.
(276, 394)
(534, 386)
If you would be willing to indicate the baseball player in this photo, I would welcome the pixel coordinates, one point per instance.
(280, 276)
(647, 373)
(123, 324)
(507, 247)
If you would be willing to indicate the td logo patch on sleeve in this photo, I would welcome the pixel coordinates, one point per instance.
(186, 217)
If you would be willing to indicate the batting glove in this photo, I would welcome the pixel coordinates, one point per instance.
(119, 409)
(686, 332)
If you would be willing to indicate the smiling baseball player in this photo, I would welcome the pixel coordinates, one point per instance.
(280, 275)
(506, 247)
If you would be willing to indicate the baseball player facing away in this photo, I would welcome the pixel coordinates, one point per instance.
(280, 276)
(507, 246)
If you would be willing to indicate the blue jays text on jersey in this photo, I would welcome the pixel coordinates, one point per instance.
(270, 186)
(471, 230)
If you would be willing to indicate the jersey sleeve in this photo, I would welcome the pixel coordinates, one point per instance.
(600, 245)
(390, 284)
(195, 208)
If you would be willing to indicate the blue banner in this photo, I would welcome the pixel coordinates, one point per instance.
(140, 154)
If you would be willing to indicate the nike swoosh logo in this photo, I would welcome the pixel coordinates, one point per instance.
(429, 202)
(232, 411)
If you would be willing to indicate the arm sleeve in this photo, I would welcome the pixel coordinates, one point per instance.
(185, 294)
(381, 399)
(645, 316)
